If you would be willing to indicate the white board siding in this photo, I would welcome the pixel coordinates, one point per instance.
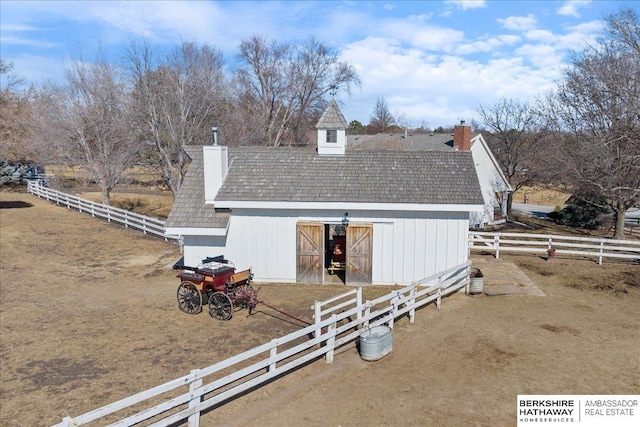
(197, 248)
(491, 181)
(405, 248)
(265, 241)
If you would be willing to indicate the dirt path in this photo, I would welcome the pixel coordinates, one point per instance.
(88, 316)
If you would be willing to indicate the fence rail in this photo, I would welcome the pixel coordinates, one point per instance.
(337, 321)
(146, 224)
(558, 245)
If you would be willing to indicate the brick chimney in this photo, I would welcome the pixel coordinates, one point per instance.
(462, 137)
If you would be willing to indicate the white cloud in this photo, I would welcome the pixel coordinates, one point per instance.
(31, 67)
(467, 4)
(487, 45)
(578, 36)
(18, 27)
(25, 41)
(570, 8)
(543, 57)
(436, 88)
(418, 33)
(508, 39)
(518, 23)
(544, 36)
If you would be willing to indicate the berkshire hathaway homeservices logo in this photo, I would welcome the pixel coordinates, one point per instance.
(578, 410)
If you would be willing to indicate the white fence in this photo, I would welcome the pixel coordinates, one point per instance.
(338, 321)
(146, 224)
(560, 245)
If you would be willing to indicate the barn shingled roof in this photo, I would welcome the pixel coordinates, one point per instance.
(265, 174)
(189, 209)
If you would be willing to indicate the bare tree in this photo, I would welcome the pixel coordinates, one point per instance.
(89, 117)
(284, 85)
(598, 106)
(624, 28)
(516, 137)
(177, 99)
(381, 118)
(15, 112)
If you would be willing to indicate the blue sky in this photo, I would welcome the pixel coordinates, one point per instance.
(434, 62)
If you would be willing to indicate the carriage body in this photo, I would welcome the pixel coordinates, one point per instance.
(215, 282)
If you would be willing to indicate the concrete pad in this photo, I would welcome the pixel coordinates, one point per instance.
(504, 278)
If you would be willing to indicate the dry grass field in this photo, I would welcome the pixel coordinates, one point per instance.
(542, 195)
(88, 316)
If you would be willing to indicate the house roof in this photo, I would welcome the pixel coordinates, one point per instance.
(189, 209)
(397, 141)
(264, 174)
(332, 118)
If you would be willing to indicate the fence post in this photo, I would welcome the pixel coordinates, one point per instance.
(467, 288)
(394, 309)
(331, 341)
(317, 317)
(601, 253)
(359, 302)
(194, 420)
(496, 243)
(272, 354)
(367, 311)
(66, 422)
(412, 301)
(439, 299)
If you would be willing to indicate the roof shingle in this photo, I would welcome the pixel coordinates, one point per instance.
(332, 118)
(189, 209)
(385, 176)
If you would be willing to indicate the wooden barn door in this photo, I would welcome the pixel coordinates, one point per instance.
(310, 253)
(359, 250)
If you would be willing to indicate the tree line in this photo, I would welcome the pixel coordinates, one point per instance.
(585, 133)
(105, 117)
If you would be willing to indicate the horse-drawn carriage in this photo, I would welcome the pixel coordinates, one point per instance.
(216, 283)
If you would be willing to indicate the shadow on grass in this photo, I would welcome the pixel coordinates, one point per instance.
(15, 205)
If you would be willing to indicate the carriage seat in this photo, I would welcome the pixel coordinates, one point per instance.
(241, 277)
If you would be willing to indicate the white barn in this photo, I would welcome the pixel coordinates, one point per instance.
(403, 214)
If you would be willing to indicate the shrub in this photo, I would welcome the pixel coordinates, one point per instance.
(580, 213)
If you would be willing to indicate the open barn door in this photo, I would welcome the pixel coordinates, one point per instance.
(359, 251)
(310, 253)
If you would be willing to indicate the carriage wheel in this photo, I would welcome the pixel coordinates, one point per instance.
(189, 298)
(220, 306)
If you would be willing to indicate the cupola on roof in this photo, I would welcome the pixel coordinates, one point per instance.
(332, 118)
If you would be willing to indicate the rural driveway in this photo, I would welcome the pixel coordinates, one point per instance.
(538, 211)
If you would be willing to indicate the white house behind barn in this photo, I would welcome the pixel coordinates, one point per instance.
(493, 183)
(303, 216)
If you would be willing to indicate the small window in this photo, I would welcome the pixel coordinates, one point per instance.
(332, 135)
